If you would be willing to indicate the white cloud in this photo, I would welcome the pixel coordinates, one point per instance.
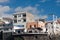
(7, 15)
(41, 16)
(4, 11)
(43, 1)
(37, 5)
(58, 1)
(4, 1)
(30, 9)
(45, 16)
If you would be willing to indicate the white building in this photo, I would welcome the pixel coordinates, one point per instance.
(53, 28)
(20, 20)
(49, 27)
(57, 27)
(6, 24)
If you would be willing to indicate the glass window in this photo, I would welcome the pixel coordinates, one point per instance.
(19, 15)
(5, 29)
(19, 20)
(24, 15)
(30, 26)
(15, 21)
(30, 31)
(24, 20)
(35, 26)
(15, 16)
(18, 31)
(20, 25)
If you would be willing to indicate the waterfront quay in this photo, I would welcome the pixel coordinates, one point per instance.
(31, 36)
(26, 36)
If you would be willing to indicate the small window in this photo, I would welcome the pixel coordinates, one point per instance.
(24, 20)
(24, 15)
(18, 31)
(30, 26)
(6, 29)
(20, 25)
(19, 15)
(19, 20)
(51, 23)
(35, 26)
(15, 21)
(36, 37)
(15, 16)
(30, 31)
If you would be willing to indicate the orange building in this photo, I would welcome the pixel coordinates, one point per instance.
(31, 25)
(39, 24)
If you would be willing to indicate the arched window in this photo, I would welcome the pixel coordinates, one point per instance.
(34, 26)
(30, 26)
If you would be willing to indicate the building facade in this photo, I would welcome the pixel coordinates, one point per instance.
(57, 27)
(36, 25)
(20, 19)
(49, 27)
(6, 25)
(53, 28)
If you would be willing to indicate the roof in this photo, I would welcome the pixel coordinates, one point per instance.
(6, 18)
(18, 13)
(1, 23)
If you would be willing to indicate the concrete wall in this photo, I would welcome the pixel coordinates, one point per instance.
(32, 37)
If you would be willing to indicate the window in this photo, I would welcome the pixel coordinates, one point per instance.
(24, 15)
(57, 27)
(30, 31)
(0, 29)
(6, 29)
(15, 21)
(24, 20)
(35, 26)
(42, 20)
(30, 26)
(36, 37)
(19, 15)
(18, 31)
(15, 16)
(20, 25)
(19, 20)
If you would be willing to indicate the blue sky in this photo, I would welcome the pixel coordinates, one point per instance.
(37, 7)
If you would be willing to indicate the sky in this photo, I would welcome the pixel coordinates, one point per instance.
(41, 8)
